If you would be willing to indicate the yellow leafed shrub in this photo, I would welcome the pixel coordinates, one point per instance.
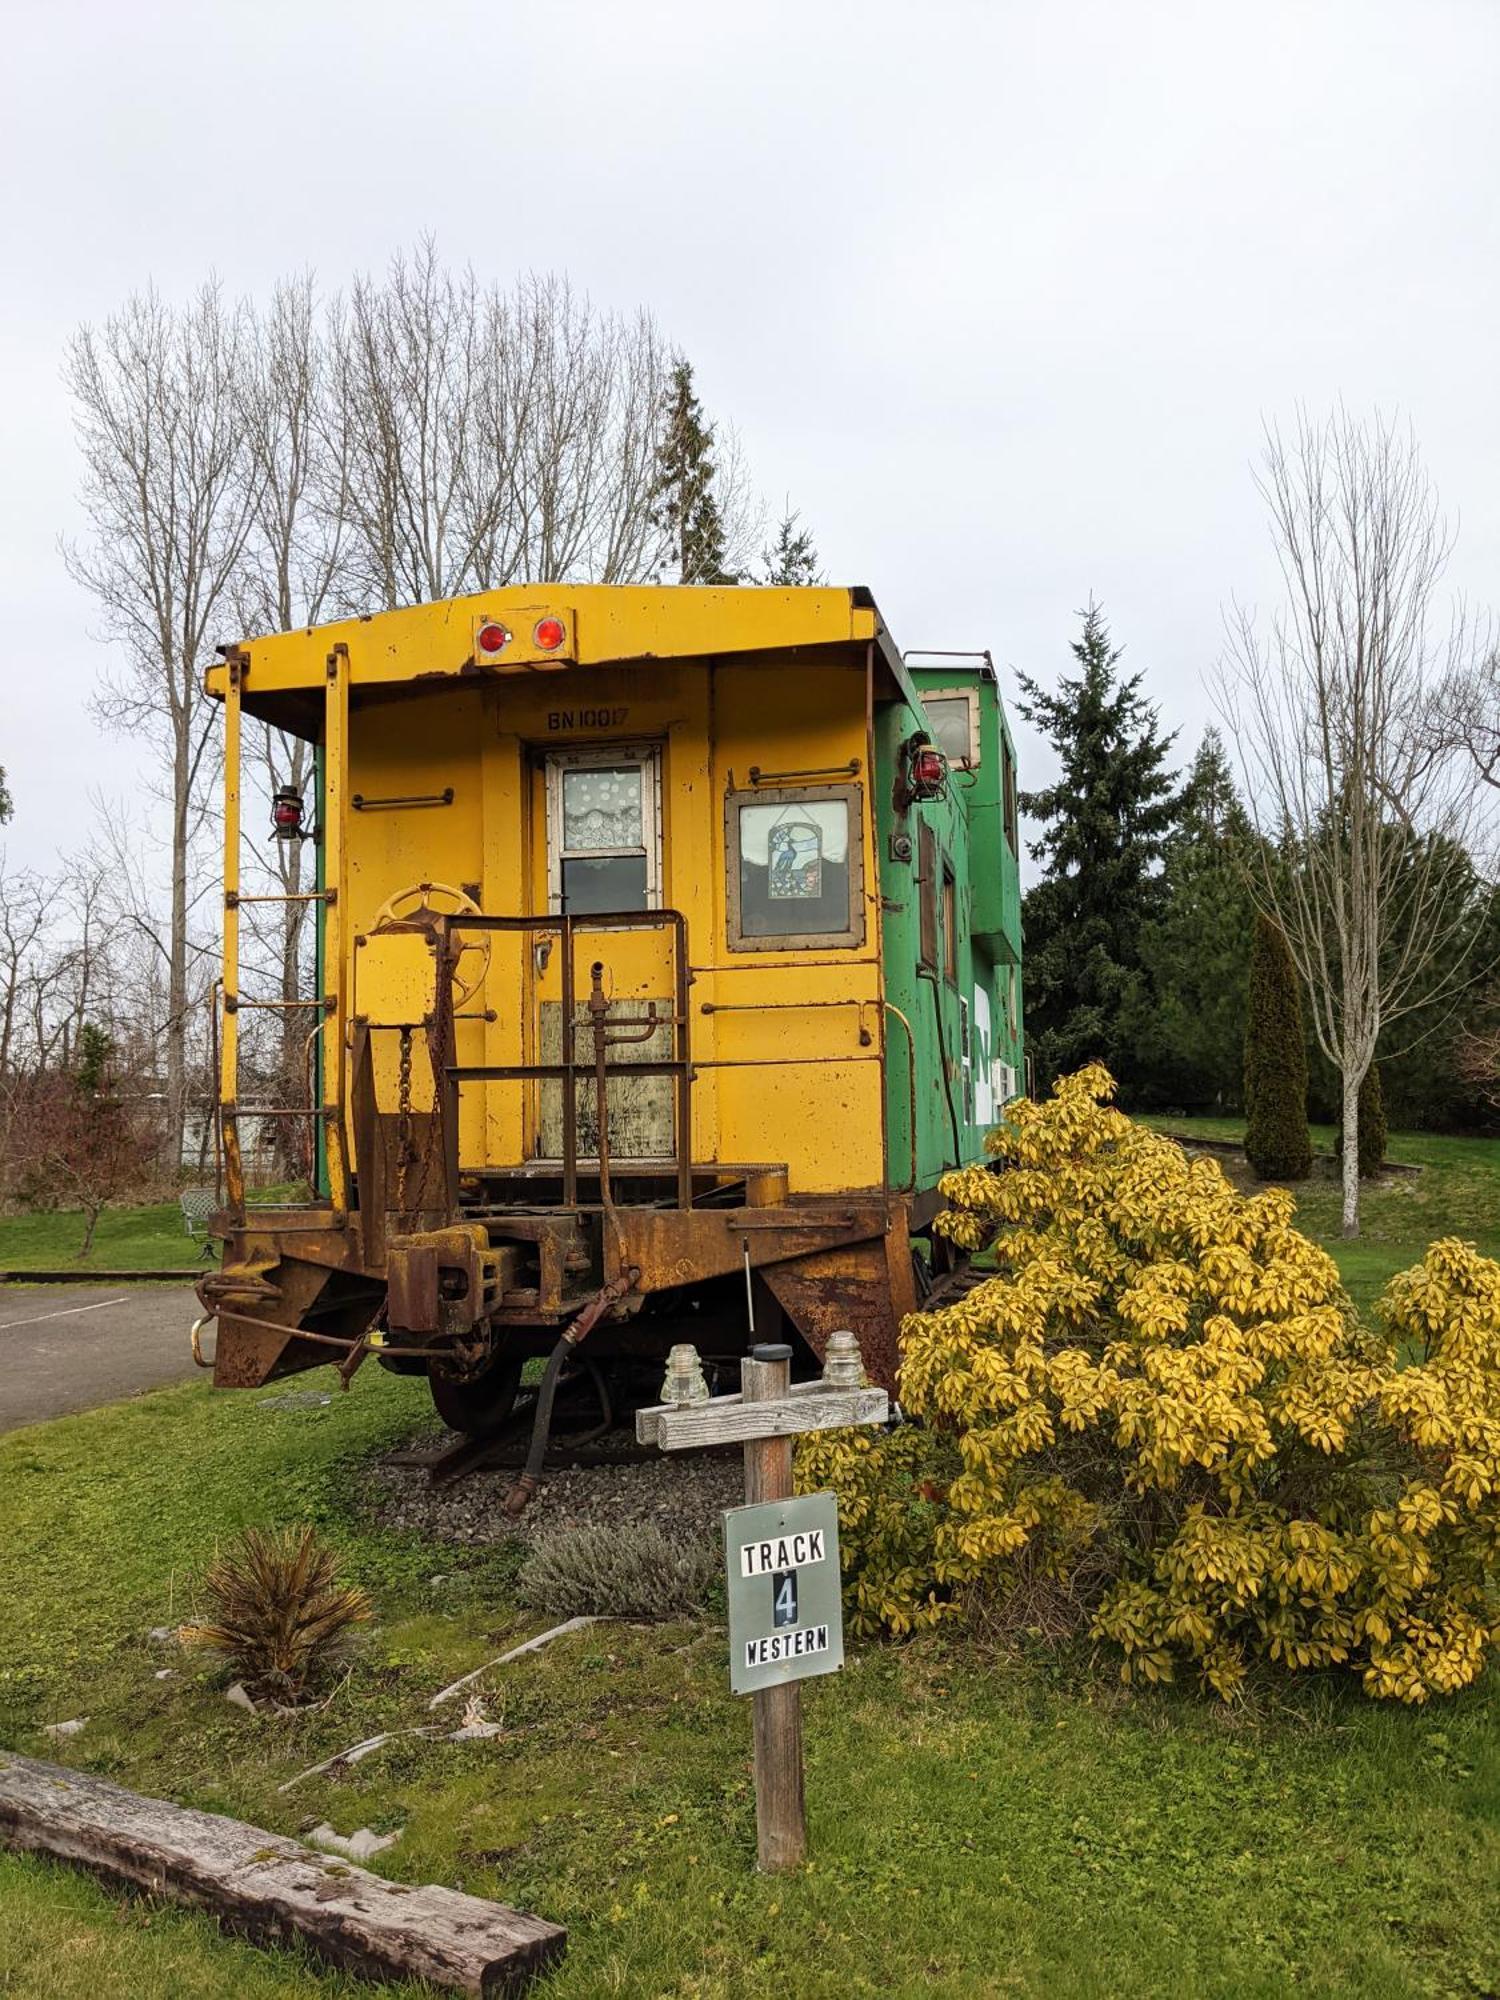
(1161, 1419)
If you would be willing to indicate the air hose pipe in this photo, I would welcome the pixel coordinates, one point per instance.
(576, 1331)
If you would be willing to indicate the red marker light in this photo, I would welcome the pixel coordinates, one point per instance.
(929, 767)
(493, 638)
(286, 813)
(549, 634)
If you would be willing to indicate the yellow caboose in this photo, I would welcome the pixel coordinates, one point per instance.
(668, 952)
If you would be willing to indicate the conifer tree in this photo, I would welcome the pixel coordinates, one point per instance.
(792, 559)
(687, 511)
(1372, 1128)
(1104, 827)
(1372, 1133)
(1190, 1037)
(1277, 1142)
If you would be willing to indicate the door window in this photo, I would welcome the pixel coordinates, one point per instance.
(604, 829)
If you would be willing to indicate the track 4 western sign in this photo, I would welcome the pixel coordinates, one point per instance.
(785, 1609)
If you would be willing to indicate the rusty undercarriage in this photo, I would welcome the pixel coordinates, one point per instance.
(463, 1276)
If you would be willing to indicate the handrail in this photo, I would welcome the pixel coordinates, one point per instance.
(568, 1071)
(775, 1006)
(910, 1182)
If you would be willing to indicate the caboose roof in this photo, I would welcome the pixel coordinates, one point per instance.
(606, 625)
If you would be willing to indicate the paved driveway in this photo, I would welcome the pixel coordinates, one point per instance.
(68, 1347)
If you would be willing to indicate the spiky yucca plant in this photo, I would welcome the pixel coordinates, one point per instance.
(277, 1610)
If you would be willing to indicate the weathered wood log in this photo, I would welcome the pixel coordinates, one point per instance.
(270, 1888)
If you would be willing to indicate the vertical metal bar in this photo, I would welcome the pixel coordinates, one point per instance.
(570, 1081)
(685, 1074)
(229, 1051)
(214, 994)
(335, 827)
(443, 1047)
(314, 1060)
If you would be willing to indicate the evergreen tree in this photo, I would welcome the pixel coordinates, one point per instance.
(1278, 1144)
(96, 1054)
(1371, 1136)
(6, 807)
(792, 559)
(1372, 1133)
(1104, 831)
(687, 511)
(1190, 1039)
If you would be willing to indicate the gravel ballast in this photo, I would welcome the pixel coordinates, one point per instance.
(683, 1495)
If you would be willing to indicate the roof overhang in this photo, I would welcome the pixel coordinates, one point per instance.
(420, 646)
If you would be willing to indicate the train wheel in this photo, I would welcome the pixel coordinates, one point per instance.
(481, 1404)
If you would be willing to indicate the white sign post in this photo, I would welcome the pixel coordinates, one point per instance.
(781, 1552)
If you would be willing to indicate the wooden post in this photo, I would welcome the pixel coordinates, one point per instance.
(780, 1805)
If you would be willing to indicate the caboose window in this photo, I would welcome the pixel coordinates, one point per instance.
(603, 829)
(953, 718)
(796, 878)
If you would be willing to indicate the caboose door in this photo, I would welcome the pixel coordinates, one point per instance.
(597, 817)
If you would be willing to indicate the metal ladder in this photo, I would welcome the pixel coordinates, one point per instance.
(332, 827)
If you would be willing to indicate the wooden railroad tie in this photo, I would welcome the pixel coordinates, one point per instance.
(270, 1888)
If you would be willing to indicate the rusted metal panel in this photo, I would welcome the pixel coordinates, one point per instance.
(860, 1286)
(247, 1356)
(412, 1279)
(682, 1246)
(265, 1291)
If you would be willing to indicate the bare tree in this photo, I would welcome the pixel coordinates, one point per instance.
(491, 438)
(1328, 707)
(25, 906)
(1465, 715)
(73, 1139)
(170, 496)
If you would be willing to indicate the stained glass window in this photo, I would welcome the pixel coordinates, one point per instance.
(793, 864)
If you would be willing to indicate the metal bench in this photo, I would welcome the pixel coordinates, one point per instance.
(197, 1205)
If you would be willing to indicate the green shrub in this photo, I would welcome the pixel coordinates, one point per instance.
(1278, 1144)
(597, 1572)
(277, 1611)
(1158, 1418)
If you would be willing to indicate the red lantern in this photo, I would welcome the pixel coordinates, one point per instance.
(286, 813)
(926, 770)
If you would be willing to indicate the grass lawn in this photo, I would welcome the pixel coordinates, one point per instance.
(978, 1827)
(1457, 1193)
(147, 1238)
(127, 1239)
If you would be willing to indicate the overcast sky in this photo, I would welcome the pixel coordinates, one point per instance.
(999, 294)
